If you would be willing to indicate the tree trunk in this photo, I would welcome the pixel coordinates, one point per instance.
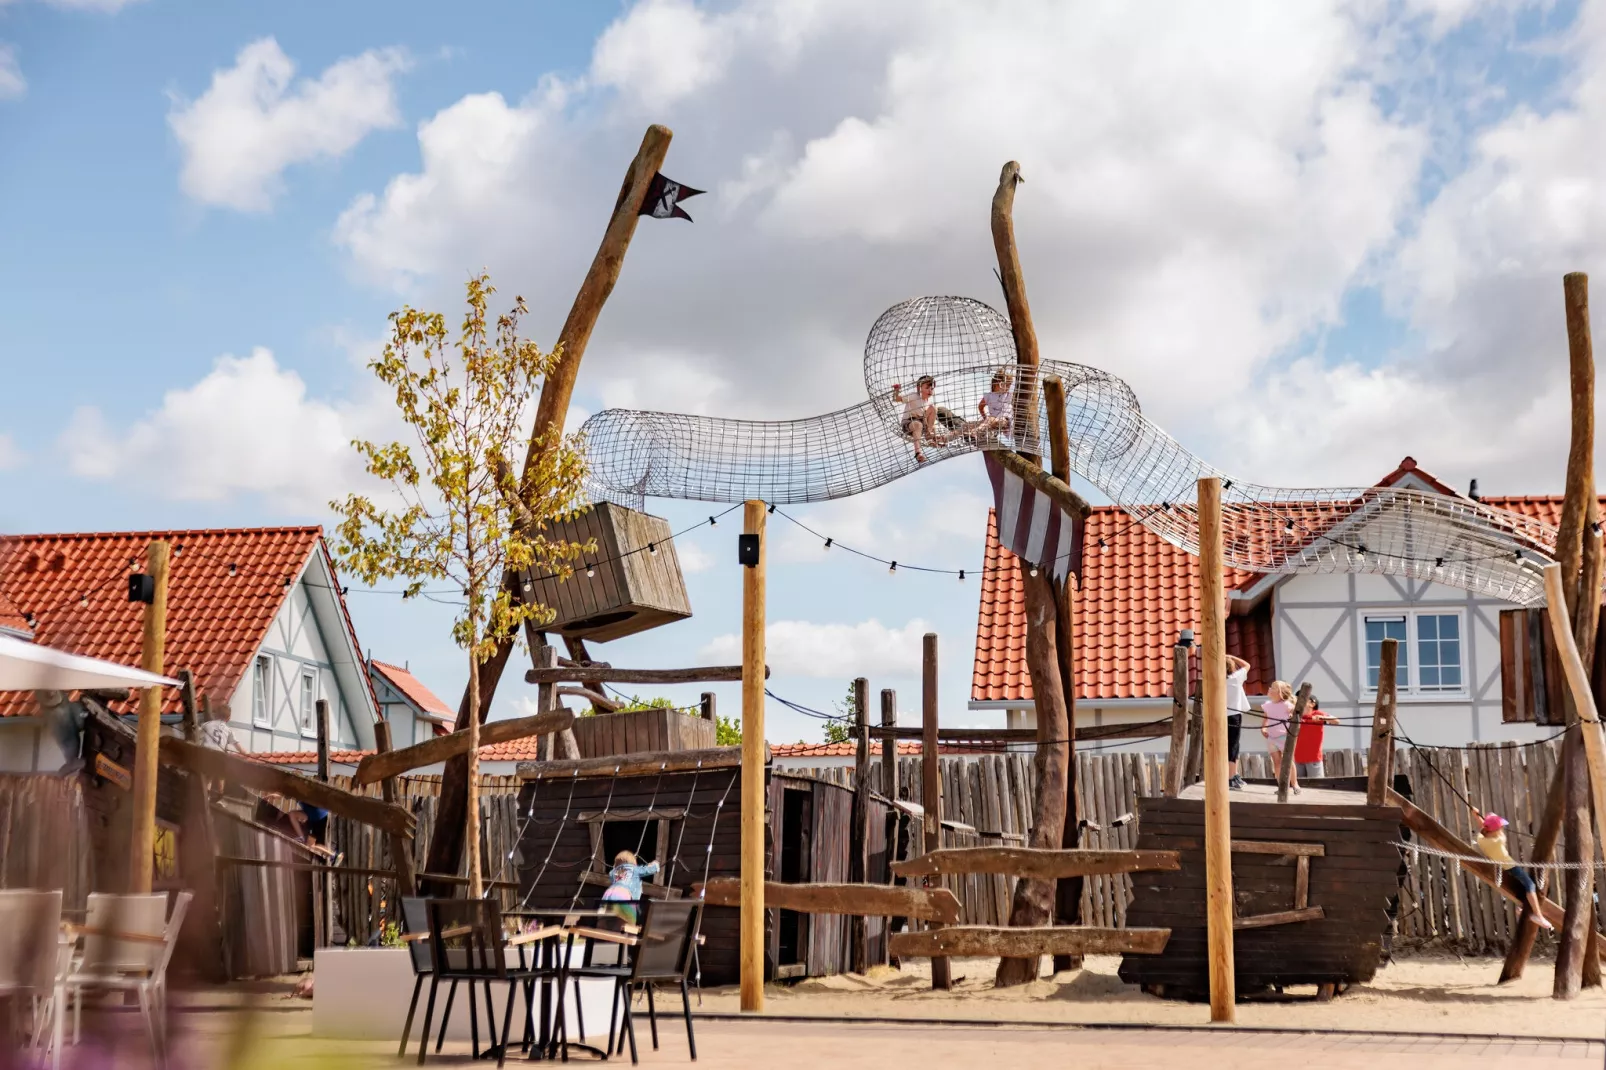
(1034, 899)
(1577, 847)
(471, 817)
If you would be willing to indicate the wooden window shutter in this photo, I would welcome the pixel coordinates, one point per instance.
(1515, 706)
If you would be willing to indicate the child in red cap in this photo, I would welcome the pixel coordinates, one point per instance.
(1492, 844)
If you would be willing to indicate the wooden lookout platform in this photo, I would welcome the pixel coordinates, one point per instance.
(1311, 878)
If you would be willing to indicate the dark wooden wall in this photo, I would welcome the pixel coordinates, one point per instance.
(1352, 883)
(554, 848)
(642, 731)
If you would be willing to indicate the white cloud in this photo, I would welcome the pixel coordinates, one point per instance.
(662, 50)
(254, 121)
(12, 83)
(693, 558)
(11, 455)
(832, 651)
(246, 427)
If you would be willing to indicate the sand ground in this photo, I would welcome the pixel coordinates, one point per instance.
(1425, 993)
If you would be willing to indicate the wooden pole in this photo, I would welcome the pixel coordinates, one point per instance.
(1380, 759)
(1285, 768)
(321, 710)
(446, 846)
(1179, 721)
(931, 777)
(753, 773)
(1544, 849)
(192, 714)
(325, 889)
(859, 830)
(1020, 312)
(889, 745)
(401, 847)
(1067, 891)
(706, 707)
(147, 749)
(1218, 819)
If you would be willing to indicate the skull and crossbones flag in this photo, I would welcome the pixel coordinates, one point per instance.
(664, 196)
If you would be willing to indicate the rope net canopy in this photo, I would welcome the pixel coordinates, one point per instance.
(980, 399)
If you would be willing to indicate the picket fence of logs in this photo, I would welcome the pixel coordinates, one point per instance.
(987, 803)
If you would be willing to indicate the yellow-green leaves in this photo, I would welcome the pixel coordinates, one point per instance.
(474, 495)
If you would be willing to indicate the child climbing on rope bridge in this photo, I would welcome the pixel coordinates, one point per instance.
(1275, 715)
(919, 420)
(625, 891)
(1492, 845)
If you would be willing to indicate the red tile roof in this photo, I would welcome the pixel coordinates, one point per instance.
(74, 590)
(414, 689)
(1138, 592)
(11, 618)
(836, 750)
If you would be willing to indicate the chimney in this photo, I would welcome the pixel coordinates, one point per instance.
(1472, 491)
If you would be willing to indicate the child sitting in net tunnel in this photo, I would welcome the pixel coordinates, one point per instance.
(997, 406)
(919, 419)
(1492, 845)
(625, 890)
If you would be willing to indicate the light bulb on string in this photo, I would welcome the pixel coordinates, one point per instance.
(713, 522)
(652, 548)
(892, 570)
(590, 571)
(961, 575)
(828, 543)
(1034, 571)
(1288, 525)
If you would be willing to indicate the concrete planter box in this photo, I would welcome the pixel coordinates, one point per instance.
(362, 994)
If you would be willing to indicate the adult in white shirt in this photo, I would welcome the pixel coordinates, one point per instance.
(1237, 706)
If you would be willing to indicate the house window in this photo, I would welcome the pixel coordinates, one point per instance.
(308, 710)
(1430, 655)
(262, 690)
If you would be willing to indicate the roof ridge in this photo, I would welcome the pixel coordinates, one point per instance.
(286, 529)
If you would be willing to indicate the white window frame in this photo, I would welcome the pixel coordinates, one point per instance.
(1412, 691)
(307, 710)
(262, 690)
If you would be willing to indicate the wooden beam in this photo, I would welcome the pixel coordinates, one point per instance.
(985, 941)
(1068, 891)
(1285, 770)
(859, 824)
(1179, 721)
(1034, 862)
(931, 779)
(262, 777)
(401, 847)
(1020, 312)
(321, 714)
(1218, 819)
(1282, 917)
(557, 390)
(754, 812)
(1380, 759)
(1583, 697)
(142, 835)
(1278, 848)
(701, 674)
(644, 764)
(377, 767)
(1056, 489)
(854, 900)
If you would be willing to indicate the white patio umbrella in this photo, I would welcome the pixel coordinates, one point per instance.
(26, 666)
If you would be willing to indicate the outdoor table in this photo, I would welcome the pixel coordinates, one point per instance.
(555, 935)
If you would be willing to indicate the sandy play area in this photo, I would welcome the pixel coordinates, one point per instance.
(1427, 993)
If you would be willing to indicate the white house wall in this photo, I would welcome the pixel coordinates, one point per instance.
(1319, 639)
(296, 642)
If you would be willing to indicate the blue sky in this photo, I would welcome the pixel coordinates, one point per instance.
(1313, 240)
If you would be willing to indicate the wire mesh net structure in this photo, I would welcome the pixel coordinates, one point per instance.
(980, 399)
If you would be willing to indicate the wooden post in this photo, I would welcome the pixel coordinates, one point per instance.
(707, 711)
(859, 830)
(1020, 313)
(321, 707)
(446, 845)
(753, 773)
(1380, 759)
(325, 889)
(1179, 720)
(1195, 765)
(1286, 767)
(1068, 890)
(401, 847)
(931, 777)
(1218, 819)
(142, 836)
(889, 746)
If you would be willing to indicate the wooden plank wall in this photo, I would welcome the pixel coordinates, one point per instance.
(642, 731)
(262, 908)
(44, 836)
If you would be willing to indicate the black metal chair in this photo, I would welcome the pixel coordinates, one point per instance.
(467, 945)
(662, 952)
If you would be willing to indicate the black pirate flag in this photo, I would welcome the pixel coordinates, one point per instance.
(664, 196)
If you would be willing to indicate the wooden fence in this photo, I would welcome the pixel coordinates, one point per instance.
(44, 836)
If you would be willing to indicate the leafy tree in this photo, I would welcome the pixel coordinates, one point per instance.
(727, 731)
(461, 514)
(841, 731)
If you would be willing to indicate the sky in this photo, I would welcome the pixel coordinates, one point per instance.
(1314, 238)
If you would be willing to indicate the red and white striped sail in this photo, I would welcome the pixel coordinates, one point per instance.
(1032, 526)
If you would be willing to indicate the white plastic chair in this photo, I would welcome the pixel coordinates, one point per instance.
(128, 952)
(33, 960)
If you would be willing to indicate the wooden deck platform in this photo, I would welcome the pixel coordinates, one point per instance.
(1312, 881)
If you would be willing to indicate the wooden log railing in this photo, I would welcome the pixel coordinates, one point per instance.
(856, 900)
(1034, 862)
(595, 674)
(988, 941)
